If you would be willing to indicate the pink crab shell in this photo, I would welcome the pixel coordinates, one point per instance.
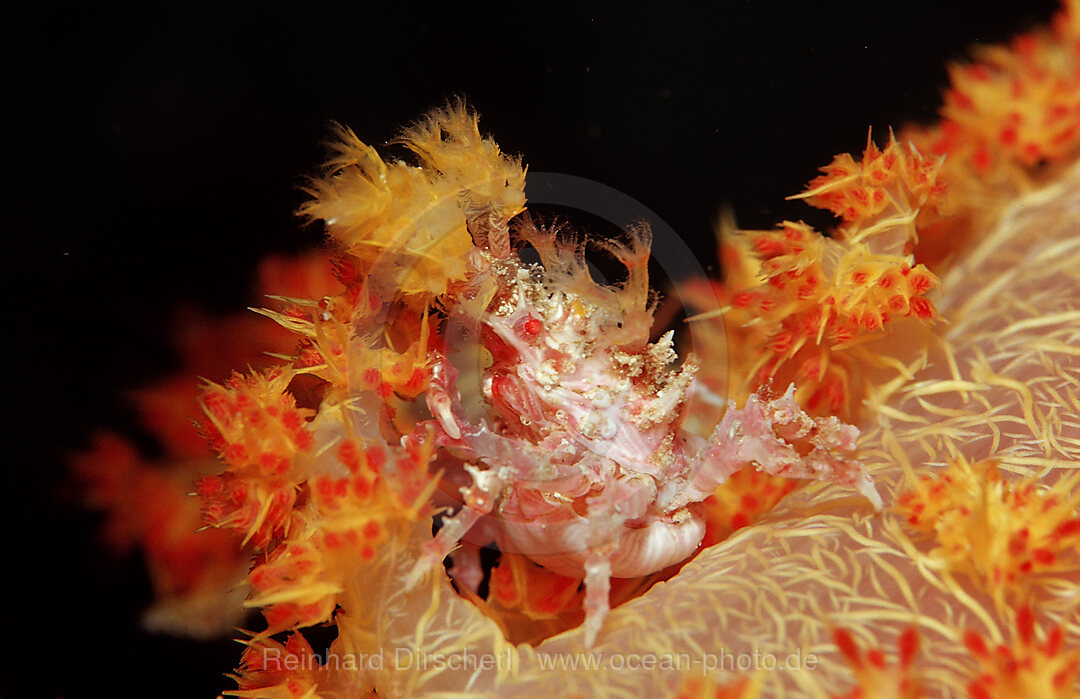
(580, 455)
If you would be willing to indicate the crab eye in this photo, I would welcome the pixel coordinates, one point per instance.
(528, 328)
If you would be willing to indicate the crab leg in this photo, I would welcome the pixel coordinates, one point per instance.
(480, 498)
(761, 433)
(597, 592)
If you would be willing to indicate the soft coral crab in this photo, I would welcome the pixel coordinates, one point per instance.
(548, 403)
(571, 430)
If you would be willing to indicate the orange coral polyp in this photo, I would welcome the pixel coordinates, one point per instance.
(410, 223)
(254, 420)
(1027, 667)
(875, 675)
(798, 299)
(892, 181)
(998, 531)
(269, 668)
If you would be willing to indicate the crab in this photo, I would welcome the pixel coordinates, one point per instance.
(564, 422)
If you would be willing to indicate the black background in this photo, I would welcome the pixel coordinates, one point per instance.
(155, 153)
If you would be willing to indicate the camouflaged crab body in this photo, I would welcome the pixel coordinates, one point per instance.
(568, 421)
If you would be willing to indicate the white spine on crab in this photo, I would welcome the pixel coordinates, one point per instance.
(865, 486)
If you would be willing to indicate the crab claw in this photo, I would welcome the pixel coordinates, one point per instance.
(442, 397)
